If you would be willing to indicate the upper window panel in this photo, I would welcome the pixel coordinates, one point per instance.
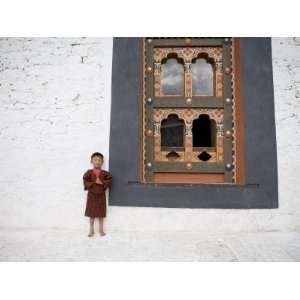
(202, 78)
(172, 77)
(188, 71)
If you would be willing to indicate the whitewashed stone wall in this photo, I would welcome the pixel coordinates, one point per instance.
(55, 111)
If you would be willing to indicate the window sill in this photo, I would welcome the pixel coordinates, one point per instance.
(188, 185)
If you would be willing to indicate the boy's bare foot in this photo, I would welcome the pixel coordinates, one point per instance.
(102, 233)
(91, 234)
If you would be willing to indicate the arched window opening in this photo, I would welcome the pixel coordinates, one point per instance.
(172, 76)
(204, 132)
(202, 77)
(172, 133)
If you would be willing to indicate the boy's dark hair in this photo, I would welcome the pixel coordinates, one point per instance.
(97, 154)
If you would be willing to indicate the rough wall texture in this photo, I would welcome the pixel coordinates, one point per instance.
(55, 106)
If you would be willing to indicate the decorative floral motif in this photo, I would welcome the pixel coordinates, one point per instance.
(188, 53)
(188, 114)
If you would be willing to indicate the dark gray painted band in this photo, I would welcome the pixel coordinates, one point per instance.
(260, 190)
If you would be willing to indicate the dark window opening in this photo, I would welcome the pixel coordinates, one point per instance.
(204, 132)
(172, 132)
(204, 156)
(172, 155)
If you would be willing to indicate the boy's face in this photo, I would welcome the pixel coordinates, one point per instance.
(97, 161)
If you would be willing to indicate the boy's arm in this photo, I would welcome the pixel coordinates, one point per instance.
(87, 182)
(107, 180)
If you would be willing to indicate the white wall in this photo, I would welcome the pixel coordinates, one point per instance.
(55, 106)
(55, 111)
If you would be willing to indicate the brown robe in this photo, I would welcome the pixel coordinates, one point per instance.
(96, 198)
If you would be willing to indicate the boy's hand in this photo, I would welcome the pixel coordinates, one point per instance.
(98, 181)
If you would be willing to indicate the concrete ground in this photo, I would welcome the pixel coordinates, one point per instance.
(72, 245)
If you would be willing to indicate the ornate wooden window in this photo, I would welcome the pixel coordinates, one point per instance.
(175, 143)
(189, 124)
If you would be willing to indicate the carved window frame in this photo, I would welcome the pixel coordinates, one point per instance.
(221, 105)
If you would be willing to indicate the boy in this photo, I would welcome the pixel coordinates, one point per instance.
(96, 181)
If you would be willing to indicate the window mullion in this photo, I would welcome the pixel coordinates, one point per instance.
(187, 79)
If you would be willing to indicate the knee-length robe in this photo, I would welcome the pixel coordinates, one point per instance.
(96, 198)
